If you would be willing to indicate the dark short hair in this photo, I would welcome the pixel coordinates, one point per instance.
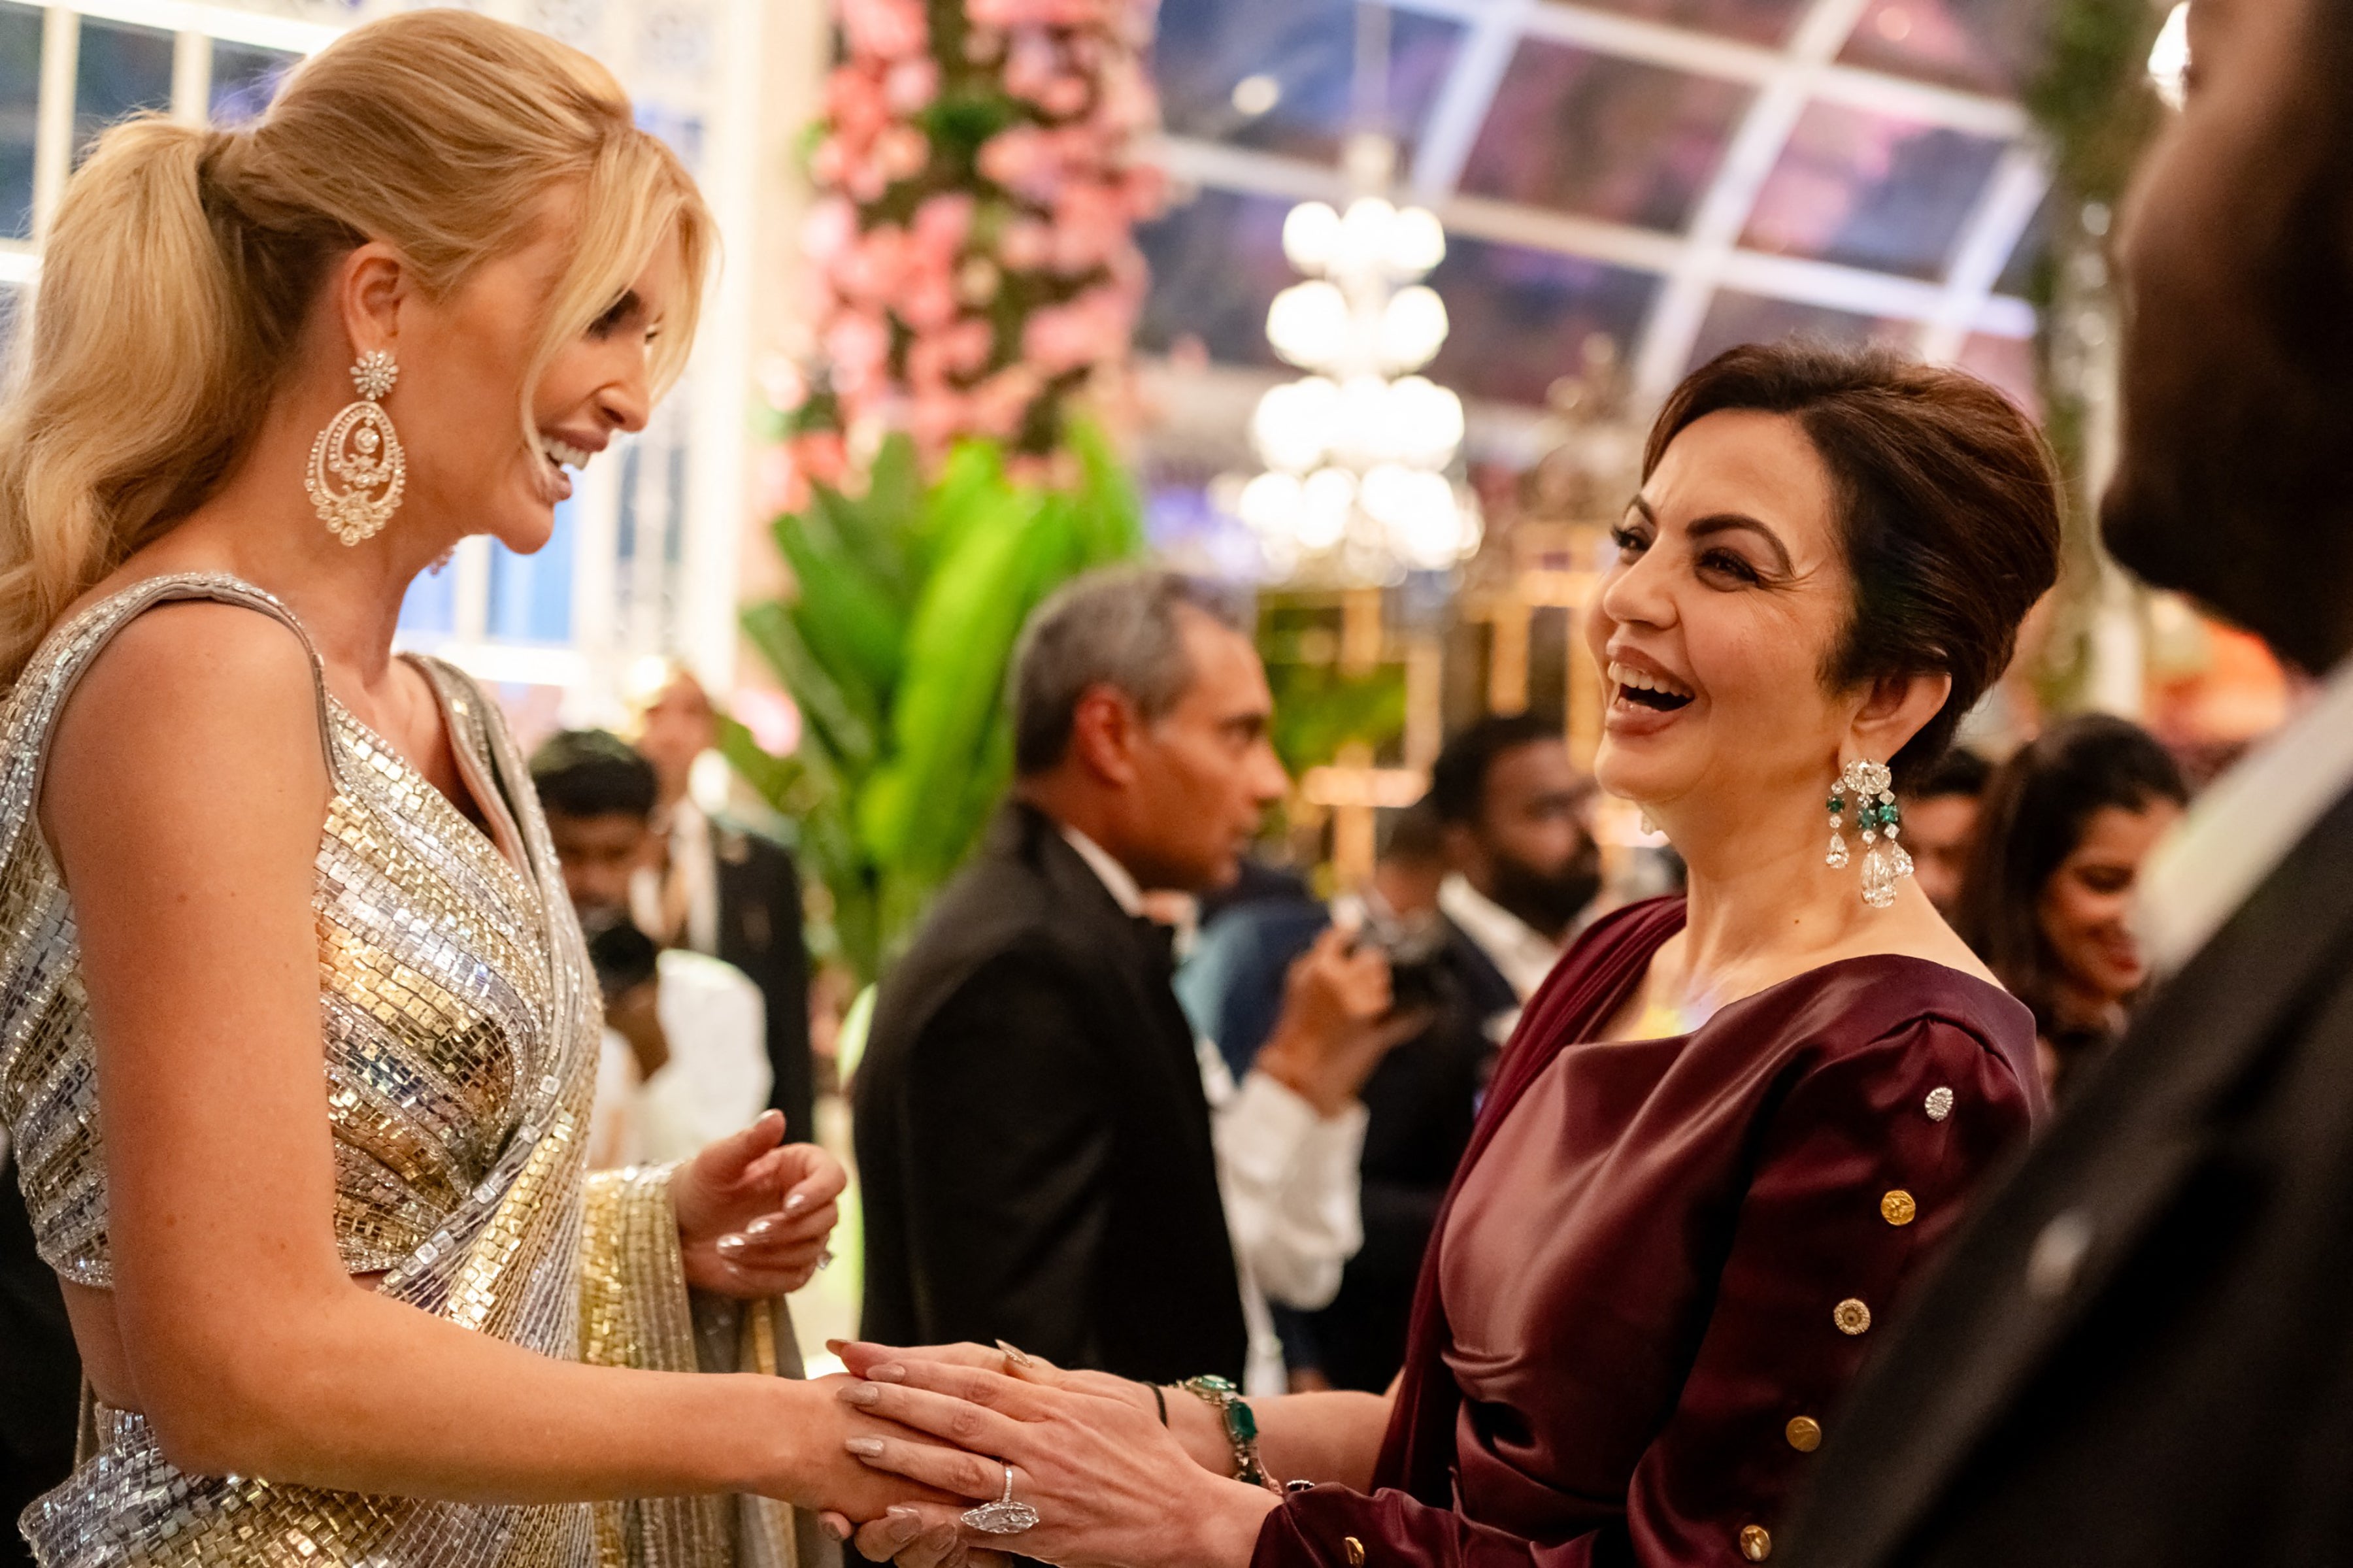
(1960, 772)
(1948, 509)
(1121, 627)
(1415, 835)
(1458, 779)
(593, 772)
(2034, 815)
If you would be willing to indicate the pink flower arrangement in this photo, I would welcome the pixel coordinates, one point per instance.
(974, 270)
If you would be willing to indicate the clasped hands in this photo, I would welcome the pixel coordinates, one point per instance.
(1111, 1485)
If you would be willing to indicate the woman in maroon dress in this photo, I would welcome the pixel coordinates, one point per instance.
(1732, 1128)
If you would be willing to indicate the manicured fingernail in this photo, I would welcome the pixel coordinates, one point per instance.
(764, 1225)
(837, 1529)
(905, 1511)
(859, 1393)
(732, 1244)
(864, 1447)
(1015, 1354)
(796, 1203)
(889, 1372)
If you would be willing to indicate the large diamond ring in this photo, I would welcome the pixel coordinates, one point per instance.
(1003, 1517)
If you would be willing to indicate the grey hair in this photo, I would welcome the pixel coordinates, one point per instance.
(1123, 627)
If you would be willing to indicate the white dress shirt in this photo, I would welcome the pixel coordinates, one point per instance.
(715, 1083)
(1288, 1177)
(695, 871)
(1524, 954)
(2237, 832)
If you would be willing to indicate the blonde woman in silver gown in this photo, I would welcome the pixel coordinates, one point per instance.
(272, 374)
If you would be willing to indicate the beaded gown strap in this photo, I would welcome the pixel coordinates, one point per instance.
(42, 692)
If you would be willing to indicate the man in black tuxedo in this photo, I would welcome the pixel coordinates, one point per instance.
(40, 1372)
(2140, 1351)
(1034, 1136)
(726, 891)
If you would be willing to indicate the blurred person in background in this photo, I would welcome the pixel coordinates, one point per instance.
(684, 1058)
(1521, 873)
(40, 1371)
(2048, 895)
(1940, 825)
(1525, 869)
(2139, 1353)
(1049, 1154)
(1420, 1099)
(719, 887)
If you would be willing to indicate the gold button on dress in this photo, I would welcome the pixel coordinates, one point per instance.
(1756, 1543)
(1897, 1207)
(460, 1033)
(1804, 1433)
(1851, 1317)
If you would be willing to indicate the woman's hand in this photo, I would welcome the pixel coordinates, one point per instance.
(753, 1213)
(1110, 1484)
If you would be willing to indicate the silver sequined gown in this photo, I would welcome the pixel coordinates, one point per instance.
(460, 1030)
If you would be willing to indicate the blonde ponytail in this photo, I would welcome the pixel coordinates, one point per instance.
(181, 263)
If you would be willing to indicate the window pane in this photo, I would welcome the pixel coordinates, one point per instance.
(245, 78)
(431, 605)
(11, 302)
(120, 71)
(1991, 46)
(1520, 317)
(1871, 191)
(2009, 363)
(1217, 264)
(531, 595)
(20, 109)
(1733, 318)
(1609, 138)
(1298, 60)
(1756, 21)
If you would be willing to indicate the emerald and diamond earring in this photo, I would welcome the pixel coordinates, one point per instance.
(1885, 861)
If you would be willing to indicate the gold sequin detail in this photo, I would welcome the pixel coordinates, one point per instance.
(1851, 1317)
(1897, 1207)
(460, 1037)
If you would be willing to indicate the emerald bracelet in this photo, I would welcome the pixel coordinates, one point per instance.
(1241, 1426)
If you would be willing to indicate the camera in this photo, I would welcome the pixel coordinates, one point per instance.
(1415, 946)
(623, 956)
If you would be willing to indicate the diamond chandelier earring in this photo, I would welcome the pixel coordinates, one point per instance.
(1885, 861)
(357, 468)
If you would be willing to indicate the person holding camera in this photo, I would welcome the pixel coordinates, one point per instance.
(1050, 1154)
(685, 1056)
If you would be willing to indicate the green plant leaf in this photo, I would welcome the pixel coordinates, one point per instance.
(847, 618)
(847, 714)
(1110, 510)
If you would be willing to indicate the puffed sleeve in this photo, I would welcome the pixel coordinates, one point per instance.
(1860, 1169)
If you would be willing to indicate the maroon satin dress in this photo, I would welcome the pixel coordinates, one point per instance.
(1662, 1261)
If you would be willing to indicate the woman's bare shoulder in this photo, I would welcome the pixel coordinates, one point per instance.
(193, 692)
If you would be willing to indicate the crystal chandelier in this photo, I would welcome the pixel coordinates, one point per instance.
(1358, 451)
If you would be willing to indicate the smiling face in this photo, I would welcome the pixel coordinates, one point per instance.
(2083, 908)
(463, 361)
(1717, 620)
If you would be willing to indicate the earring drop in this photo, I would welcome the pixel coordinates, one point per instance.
(357, 468)
(1885, 861)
